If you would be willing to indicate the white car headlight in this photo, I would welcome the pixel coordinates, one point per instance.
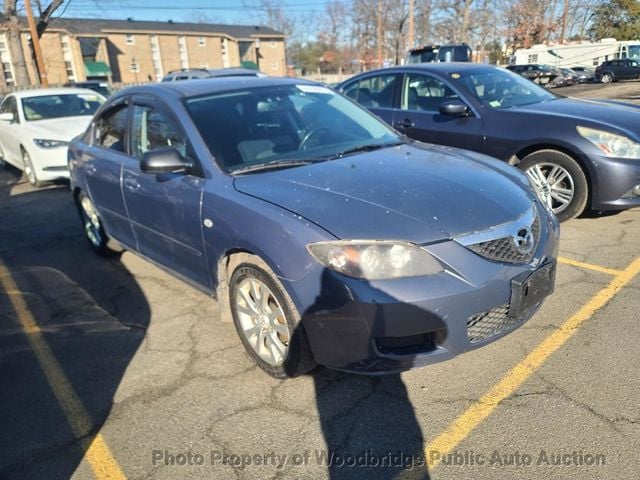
(44, 143)
(611, 144)
(375, 260)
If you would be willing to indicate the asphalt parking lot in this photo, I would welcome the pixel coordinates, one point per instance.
(114, 369)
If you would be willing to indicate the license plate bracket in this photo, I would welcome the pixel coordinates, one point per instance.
(530, 288)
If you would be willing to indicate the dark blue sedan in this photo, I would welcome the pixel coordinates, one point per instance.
(326, 237)
(580, 154)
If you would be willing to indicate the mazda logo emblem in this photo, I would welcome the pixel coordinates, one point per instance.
(523, 241)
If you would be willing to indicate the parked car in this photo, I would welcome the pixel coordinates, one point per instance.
(615, 70)
(103, 88)
(331, 238)
(541, 74)
(579, 153)
(193, 73)
(37, 125)
(565, 78)
(585, 74)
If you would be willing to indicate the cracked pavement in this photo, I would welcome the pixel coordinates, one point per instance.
(159, 372)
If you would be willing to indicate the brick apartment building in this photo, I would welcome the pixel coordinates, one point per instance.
(131, 51)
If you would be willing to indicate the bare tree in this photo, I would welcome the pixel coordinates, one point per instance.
(11, 22)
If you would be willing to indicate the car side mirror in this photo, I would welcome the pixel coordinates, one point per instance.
(7, 117)
(454, 108)
(164, 160)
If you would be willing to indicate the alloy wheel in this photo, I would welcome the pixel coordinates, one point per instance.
(262, 321)
(554, 185)
(91, 222)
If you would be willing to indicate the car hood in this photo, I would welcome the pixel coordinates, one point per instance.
(416, 193)
(65, 129)
(614, 114)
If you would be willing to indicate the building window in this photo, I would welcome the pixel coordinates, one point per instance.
(202, 41)
(135, 66)
(596, 61)
(130, 39)
(5, 59)
(156, 57)
(68, 58)
(183, 53)
(532, 58)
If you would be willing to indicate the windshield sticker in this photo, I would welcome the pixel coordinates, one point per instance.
(455, 75)
(494, 103)
(314, 89)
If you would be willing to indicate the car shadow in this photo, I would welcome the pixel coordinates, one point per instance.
(91, 317)
(368, 422)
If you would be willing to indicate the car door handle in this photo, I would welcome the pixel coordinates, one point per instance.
(406, 123)
(131, 184)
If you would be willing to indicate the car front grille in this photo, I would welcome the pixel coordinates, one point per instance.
(505, 250)
(489, 324)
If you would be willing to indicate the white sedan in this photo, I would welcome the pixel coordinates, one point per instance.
(37, 125)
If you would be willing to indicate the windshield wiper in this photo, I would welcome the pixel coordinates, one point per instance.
(367, 148)
(273, 165)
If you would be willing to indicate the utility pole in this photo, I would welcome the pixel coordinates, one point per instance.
(35, 41)
(379, 34)
(411, 28)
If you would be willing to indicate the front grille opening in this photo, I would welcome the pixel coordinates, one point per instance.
(504, 250)
(489, 324)
(409, 345)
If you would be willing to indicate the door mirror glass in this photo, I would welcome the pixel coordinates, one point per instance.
(163, 160)
(454, 108)
(7, 117)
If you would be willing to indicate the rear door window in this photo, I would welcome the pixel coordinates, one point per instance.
(376, 91)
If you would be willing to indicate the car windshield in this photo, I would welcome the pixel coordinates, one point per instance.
(499, 88)
(284, 124)
(60, 105)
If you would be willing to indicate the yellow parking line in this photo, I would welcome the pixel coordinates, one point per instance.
(589, 266)
(97, 452)
(475, 414)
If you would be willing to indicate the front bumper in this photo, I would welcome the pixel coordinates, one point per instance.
(376, 327)
(613, 181)
(49, 163)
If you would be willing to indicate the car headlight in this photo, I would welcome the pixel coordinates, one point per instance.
(611, 144)
(44, 143)
(375, 260)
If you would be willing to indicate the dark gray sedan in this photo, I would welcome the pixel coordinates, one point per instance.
(580, 154)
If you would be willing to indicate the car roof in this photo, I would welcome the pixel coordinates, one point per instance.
(443, 67)
(203, 86)
(42, 92)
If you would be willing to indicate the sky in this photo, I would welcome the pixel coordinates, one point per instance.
(214, 11)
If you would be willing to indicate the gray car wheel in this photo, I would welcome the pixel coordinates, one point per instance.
(606, 78)
(93, 228)
(29, 171)
(268, 322)
(559, 182)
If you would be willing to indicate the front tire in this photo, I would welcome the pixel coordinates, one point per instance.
(268, 322)
(559, 181)
(29, 171)
(93, 228)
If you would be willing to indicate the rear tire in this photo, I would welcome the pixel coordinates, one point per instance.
(268, 322)
(93, 228)
(559, 181)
